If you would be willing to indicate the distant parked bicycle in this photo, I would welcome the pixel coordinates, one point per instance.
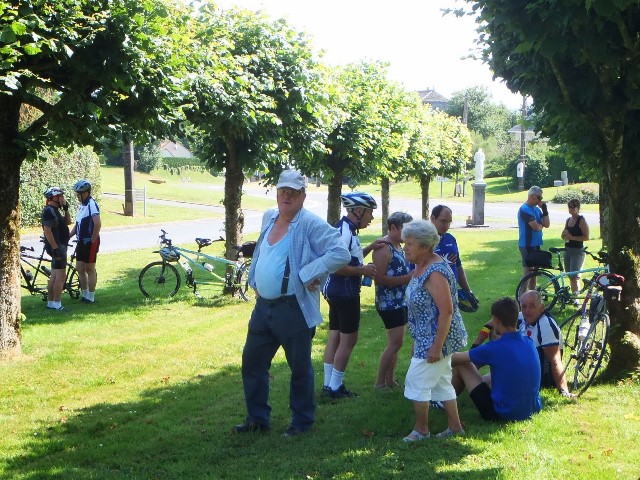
(161, 279)
(585, 333)
(35, 275)
(555, 289)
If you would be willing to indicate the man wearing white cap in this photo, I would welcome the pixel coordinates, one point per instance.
(294, 254)
(532, 218)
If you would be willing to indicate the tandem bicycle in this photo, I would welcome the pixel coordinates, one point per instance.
(35, 275)
(161, 279)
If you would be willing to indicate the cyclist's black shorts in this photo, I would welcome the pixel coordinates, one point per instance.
(58, 264)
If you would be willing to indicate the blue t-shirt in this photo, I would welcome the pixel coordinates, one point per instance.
(529, 237)
(515, 375)
(448, 249)
(270, 271)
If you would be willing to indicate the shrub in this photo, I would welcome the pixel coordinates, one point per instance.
(62, 168)
(150, 158)
(585, 195)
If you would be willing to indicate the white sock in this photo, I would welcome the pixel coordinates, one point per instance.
(57, 304)
(336, 379)
(91, 296)
(328, 368)
(50, 304)
(85, 293)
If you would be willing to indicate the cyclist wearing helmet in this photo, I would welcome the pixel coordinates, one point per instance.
(87, 231)
(56, 235)
(342, 291)
(441, 217)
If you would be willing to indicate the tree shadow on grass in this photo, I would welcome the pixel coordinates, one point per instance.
(184, 431)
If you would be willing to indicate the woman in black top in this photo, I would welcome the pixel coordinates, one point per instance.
(575, 233)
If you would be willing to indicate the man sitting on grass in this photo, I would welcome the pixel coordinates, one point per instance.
(511, 390)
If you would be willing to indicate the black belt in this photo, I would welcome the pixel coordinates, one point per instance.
(283, 299)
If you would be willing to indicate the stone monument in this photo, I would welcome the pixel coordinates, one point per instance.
(479, 187)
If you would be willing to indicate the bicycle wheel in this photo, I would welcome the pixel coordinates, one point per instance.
(159, 280)
(72, 283)
(546, 284)
(588, 356)
(241, 286)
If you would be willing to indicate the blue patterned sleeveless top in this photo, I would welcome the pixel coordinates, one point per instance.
(392, 298)
(423, 314)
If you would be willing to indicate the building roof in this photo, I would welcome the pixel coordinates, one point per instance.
(429, 96)
(171, 149)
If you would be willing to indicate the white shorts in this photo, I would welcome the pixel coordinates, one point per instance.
(429, 381)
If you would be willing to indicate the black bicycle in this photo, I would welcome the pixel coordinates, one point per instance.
(585, 333)
(35, 275)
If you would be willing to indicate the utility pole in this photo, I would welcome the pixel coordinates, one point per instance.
(523, 146)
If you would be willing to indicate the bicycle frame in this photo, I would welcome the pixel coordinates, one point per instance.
(201, 258)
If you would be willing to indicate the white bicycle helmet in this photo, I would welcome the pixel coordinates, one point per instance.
(53, 191)
(82, 186)
(358, 199)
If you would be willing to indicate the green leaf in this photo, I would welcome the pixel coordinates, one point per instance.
(31, 49)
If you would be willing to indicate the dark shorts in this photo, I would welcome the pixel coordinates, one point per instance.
(394, 318)
(344, 314)
(481, 396)
(88, 253)
(58, 264)
(523, 254)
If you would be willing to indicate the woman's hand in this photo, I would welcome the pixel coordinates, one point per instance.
(434, 354)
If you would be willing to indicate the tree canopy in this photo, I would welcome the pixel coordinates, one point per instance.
(578, 61)
(87, 69)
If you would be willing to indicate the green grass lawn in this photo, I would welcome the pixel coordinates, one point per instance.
(126, 389)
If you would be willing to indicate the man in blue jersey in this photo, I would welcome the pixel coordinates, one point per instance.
(532, 218)
(295, 252)
(511, 390)
(342, 292)
(441, 217)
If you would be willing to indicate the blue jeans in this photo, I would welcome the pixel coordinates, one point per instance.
(276, 323)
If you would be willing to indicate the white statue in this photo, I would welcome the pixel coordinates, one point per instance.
(479, 159)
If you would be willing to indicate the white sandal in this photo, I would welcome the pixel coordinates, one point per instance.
(415, 436)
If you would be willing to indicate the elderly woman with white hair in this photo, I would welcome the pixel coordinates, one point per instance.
(436, 326)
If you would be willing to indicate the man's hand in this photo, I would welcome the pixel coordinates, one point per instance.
(369, 270)
(377, 244)
(543, 207)
(55, 253)
(313, 286)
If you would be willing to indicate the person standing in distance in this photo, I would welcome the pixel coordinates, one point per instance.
(393, 273)
(532, 218)
(342, 292)
(441, 217)
(55, 226)
(87, 232)
(295, 252)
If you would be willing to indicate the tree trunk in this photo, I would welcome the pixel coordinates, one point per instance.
(233, 216)
(129, 163)
(11, 158)
(384, 187)
(622, 187)
(334, 205)
(424, 195)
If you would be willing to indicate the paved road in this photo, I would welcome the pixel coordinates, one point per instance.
(497, 215)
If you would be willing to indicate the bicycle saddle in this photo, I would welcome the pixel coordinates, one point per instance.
(203, 242)
(556, 249)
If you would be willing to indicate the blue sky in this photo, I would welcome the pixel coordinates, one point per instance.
(425, 50)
